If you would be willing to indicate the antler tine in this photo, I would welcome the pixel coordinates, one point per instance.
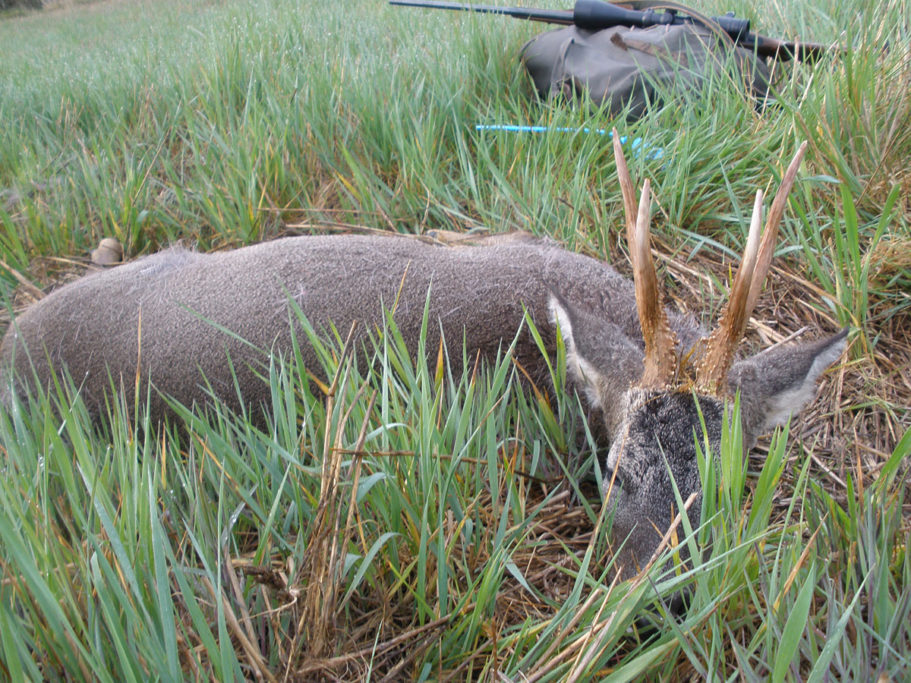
(713, 367)
(626, 185)
(770, 235)
(660, 362)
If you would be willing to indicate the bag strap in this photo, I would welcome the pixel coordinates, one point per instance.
(697, 16)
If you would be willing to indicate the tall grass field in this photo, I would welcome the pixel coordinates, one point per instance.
(393, 520)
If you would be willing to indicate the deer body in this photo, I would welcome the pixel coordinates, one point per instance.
(648, 375)
(180, 315)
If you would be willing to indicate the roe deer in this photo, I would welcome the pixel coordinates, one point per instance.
(650, 375)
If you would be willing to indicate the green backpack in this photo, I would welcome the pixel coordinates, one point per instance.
(638, 67)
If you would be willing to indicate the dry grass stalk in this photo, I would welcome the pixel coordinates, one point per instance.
(323, 566)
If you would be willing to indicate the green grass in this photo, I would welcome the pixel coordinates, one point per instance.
(413, 519)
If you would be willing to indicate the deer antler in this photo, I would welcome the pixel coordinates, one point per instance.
(660, 363)
(715, 362)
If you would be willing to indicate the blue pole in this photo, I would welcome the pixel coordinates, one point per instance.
(653, 153)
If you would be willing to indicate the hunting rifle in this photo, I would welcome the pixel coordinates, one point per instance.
(594, 15)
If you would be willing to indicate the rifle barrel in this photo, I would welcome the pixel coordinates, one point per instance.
(592, 15)
(549, 16)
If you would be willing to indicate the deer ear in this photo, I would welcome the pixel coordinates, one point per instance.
(776, 384)
(598, 355)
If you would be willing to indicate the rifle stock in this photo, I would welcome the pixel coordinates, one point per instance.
(784, 50)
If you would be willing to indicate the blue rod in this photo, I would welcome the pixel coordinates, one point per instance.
(654, 153)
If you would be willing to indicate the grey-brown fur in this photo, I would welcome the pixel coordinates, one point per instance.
(477, 293)
(183, 297)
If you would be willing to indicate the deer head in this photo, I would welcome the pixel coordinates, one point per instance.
(656, 424)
